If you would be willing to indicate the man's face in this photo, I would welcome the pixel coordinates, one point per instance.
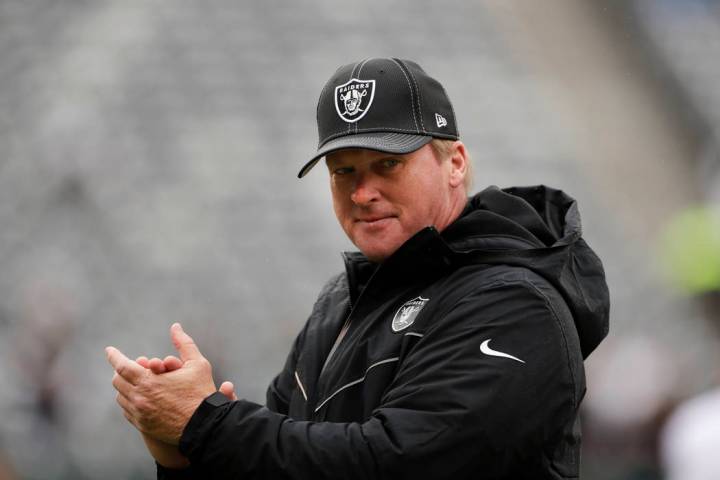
(382, 199)
(351, 104)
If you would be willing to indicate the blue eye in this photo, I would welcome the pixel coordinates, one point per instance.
(390, 162)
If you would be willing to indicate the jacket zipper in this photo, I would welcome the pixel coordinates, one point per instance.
(348, 321)
(345, 327)
(341, 335)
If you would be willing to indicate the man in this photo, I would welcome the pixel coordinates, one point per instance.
(451, 347)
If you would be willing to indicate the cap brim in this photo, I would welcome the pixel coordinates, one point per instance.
(379, 141)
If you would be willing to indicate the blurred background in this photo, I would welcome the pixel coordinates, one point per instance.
(147, 175)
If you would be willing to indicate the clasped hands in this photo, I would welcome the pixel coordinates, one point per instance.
(159, 396)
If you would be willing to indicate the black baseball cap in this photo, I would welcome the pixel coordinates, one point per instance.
(384, 104)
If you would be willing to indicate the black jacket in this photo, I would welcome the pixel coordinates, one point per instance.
(462, 357)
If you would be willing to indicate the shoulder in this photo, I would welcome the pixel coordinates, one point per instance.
(520, 290)
(477, 281)
(509, 298)
(488, 276)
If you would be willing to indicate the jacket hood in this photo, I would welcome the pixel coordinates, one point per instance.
(538, 228)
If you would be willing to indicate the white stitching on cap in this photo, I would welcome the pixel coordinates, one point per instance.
(412, 96)
(378, 142)
(386, 129)
(379, 146)
(358, 77)
(352, 75)
(396, 138)
(362, 65)
(419, 99)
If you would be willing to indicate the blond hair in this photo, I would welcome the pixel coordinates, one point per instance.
(443, 149)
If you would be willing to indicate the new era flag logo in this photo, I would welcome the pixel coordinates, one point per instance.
(440, 120)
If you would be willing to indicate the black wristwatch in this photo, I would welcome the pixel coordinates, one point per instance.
(217, 399)
(197, 425)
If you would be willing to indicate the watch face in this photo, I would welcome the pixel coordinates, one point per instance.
(217, 399)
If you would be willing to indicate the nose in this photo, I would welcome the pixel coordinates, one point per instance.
(364, 190)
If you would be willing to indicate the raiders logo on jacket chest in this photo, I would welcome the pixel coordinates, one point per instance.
(406, 314)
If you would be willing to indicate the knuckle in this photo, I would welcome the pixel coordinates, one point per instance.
(203, 364)
(128, 417)
(141, 383)
(141, 404)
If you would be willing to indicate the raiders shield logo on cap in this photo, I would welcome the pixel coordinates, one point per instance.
(353, 99)
(405, 316)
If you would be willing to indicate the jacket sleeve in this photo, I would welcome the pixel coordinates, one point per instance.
(451, 408)
(277, 399)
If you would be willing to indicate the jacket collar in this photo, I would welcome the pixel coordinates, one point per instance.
(423, 255)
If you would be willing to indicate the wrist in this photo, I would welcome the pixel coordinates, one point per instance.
(167, 455)
(201, 424)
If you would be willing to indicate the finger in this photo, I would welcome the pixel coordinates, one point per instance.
(121, 385)
(128, 410)
(184, 344)
(156, 365)
(142, 361)
(228, 389)
(129, 418)
(128, 414)
(124, 403)
(129, 370)
(172, 363)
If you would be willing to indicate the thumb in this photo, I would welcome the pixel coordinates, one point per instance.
(228, 389)
(184, 344)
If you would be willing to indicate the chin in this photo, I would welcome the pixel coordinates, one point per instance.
(376, 255)
(375, 258)
(379, 246)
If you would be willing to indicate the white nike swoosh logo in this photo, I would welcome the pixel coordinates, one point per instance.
(494, 353)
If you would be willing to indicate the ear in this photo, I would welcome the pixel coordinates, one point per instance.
(458, 164)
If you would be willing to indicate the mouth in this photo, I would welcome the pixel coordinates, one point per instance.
(375, 220)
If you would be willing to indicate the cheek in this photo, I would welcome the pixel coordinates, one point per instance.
(341, 207)
(422, 205)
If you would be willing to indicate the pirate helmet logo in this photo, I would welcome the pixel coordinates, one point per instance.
(405, 316)
(353, 99)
